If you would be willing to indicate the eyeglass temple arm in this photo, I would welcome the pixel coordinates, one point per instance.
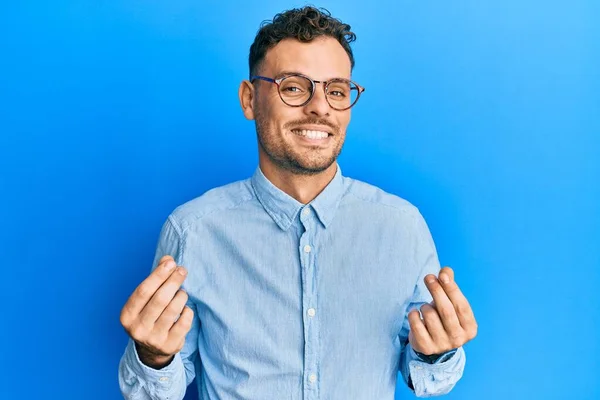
(264, 78)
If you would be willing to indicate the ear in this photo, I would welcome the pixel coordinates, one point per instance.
(246, 95)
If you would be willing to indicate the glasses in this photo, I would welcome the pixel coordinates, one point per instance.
(296, 90)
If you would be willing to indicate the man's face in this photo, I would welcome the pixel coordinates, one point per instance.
(286, 134)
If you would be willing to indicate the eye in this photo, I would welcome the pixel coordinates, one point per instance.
(290, 88)
(337, 93)
(339, 90)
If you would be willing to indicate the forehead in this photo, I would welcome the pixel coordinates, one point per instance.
(322, 58)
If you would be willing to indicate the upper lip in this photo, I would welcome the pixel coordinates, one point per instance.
(320, 128)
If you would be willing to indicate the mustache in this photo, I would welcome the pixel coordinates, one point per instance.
(311, 121)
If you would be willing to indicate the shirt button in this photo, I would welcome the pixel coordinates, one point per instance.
(163, 379)
(311, 312)
(307, 249)
(306, 211)
(312, 378)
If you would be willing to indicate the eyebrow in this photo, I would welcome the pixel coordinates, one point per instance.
(284, 73)
(290, 72)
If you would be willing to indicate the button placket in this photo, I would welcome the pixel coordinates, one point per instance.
(309, 299)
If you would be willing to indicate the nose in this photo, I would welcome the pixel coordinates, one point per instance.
(318, 105)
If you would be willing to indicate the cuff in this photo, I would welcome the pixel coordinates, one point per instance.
(150, 377)
(433, 358)
(435, 379)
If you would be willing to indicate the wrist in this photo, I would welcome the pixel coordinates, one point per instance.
(435, 358)
(152, 360)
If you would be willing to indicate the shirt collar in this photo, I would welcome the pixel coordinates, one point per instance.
(283, 208)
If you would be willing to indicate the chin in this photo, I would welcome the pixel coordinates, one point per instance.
(309, 168)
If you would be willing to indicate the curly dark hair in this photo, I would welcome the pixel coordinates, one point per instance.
(303, 24)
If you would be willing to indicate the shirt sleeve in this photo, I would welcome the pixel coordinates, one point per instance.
(426, 380)
(140, 382)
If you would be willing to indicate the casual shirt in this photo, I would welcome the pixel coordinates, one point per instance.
(297, 301)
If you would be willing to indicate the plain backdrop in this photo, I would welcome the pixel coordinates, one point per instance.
(484, 114)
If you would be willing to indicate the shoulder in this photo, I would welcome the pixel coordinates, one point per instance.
(359, 191)
(213, 201)
(376, 202)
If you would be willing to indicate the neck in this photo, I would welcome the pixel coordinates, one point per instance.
(303, 188)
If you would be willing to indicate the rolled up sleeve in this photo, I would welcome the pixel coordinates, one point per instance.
(138, 381)
(427, 380)
(436, 379)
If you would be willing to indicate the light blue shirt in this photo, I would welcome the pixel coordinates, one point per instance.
(296, 301)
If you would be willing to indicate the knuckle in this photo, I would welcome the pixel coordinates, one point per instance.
(451, 288)
(158, 342)
(143, 291)
(463, 309)
(170, 310)
(445, 311)
(184, 295)
(186, 324)
(163, 298)
(473, 331)
(187, 319)
(138, 332)
(167, 318)
(124, 318)
(191, 314)
(456, 341)
(179, 300)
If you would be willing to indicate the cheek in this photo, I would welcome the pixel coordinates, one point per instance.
(342, 123)
(272, 114)
(345, 120)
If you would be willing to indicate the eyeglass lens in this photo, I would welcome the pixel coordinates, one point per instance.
(296, 90)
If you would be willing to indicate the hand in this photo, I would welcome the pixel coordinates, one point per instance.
(448, 321)
(150, 315)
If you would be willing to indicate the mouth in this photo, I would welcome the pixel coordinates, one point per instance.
(312, 135)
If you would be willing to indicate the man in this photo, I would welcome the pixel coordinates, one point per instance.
(299, 283)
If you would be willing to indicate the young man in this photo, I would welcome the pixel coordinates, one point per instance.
(299, 283)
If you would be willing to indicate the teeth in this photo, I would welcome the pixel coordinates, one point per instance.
(311, 134)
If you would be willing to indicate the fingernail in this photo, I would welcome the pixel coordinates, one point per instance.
(169, 265)
(182, 271)
(430, 279)
(444, 278)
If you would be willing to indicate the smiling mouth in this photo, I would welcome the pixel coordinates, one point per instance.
(311, 134)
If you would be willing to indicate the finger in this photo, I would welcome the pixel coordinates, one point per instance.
(419, 332)
(144, 292)
(460, 303)
(173, 311)
(164, 258)
(434, 325)
(183, 325)
(443, 305)
(162, 297)
(449, 272)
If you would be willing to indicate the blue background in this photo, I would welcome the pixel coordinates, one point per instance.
(482, 113)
